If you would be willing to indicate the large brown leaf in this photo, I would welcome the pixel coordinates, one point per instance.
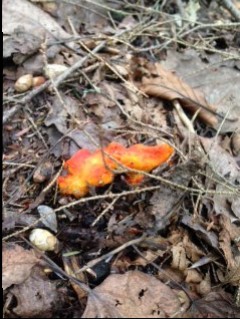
(159, 82)
(132, 295)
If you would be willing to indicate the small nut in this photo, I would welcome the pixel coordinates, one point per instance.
(44, 240)
(38, 80)
(43, 172)
(24, 83)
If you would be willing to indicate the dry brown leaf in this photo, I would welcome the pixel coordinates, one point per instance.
(159, 82)
(132, 295)
(228, 234)
(179, 259)
(36, 297)
(17, 264)
(192, 251)
(208, 236)
(148, 257)
(214, 305)
(164, 201)
(218, 79)
(193, 276)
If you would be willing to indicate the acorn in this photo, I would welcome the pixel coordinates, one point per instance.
(38, 80)
(24, 83)
(44, 240)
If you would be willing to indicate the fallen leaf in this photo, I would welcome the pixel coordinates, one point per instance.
(164, 201)
(208, 236)
(25, 27)
(36, 297)
(157, 81)
(17, 264)
(92, 14)
(132, 295)
(214, 305)
(58, 113)
(218, 80)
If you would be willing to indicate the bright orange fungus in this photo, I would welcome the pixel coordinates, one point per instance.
(86, 169)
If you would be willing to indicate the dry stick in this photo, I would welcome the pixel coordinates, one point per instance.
(128, 84)
(104, 211)
(183, 116)
(210, 49)
(111, 253)
(183, 33)
(37, 130)
(8, 114)
(231, 8)
(83, 200)
(58, 269)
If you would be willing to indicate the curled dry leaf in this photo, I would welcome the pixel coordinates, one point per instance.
(132, 295)
(17, 264)
(218, 79)
(155, 80)
(97, 169)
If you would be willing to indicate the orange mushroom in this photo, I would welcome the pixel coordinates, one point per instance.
(76, 162)
(86, 169)
(73, 185)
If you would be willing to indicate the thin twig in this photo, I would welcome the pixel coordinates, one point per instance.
(110, 206)
(231, 8)
(183, 116)
(112, 253)
(9, 113)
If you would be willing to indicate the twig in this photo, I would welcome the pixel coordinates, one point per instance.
(8, 114)
(183, 116)
(58, 269)
(111, 253)
(231, 8)
(83, 200)
(104, 211)
(37, 130)
(26, 99)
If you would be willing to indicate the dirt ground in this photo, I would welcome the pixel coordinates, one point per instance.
(121, 159)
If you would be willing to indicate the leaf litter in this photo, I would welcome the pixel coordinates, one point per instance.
(168, 247)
